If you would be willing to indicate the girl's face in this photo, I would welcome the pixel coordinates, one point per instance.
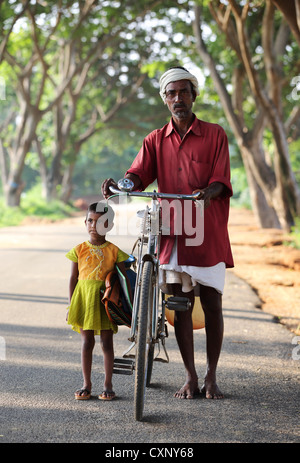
(96, 227)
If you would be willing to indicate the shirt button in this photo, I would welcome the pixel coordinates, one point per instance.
(180, 169)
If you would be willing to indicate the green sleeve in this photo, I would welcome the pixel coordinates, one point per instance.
(72, 255)
(122, 256)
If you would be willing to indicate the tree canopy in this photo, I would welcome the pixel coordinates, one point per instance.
(82, 77)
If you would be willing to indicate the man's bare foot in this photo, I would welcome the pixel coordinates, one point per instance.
(188, 391)
(211, 390)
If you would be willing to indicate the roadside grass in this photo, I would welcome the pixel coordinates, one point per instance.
(294, 235)
(34, 206)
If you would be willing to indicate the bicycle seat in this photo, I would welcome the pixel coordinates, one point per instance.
(129, 261)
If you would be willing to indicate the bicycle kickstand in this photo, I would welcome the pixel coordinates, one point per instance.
(160, 359)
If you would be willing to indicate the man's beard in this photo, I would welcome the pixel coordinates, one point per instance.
(180, 111)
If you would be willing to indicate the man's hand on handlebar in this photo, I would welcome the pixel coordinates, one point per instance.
(202, 196)
(110, 182)
(214, 190)
(105, 187)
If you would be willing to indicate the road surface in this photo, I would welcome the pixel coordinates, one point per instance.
(40, 363)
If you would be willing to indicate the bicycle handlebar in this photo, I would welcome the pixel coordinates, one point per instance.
(125, 186)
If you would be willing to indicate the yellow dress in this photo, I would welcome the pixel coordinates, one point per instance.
(86, 310)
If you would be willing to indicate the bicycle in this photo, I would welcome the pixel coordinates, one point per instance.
(148, 326)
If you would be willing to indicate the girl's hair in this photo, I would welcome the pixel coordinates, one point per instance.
(101, 208)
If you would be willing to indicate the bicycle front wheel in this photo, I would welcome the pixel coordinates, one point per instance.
(143, 344)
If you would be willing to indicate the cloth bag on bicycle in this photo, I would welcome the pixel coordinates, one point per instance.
(116, 297)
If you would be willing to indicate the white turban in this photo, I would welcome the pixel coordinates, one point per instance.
(172, 75)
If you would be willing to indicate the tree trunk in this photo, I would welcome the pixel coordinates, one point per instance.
(25, 134)
(13, 192)
(53, 178)
(264, 213)
(268, 184)
(67, 187)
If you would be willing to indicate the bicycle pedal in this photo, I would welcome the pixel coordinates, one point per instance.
(177, 303)
(123, 366)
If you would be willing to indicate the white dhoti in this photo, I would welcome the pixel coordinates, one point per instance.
(189, 276)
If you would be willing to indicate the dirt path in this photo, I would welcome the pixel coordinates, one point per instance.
(272, 269)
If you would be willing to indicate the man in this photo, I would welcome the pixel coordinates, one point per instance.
(186, 156)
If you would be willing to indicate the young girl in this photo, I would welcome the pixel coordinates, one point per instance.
(91, 262)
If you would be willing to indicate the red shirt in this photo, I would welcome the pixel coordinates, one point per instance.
(182, 166)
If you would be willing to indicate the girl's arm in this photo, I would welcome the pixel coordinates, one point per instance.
(73, 281)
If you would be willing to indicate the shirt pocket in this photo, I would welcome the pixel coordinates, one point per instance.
(199, 173)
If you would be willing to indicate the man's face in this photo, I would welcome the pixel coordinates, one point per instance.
(180, 98)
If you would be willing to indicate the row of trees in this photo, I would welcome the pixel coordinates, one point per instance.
(70, 67)
(260, 99)
(76, 69)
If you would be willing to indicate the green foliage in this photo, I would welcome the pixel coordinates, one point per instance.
(131, 47)
(108, 39)
(98, 164)
(34, 206)
(241, 195)
(9, 216)
(295, 158)
(295, 235)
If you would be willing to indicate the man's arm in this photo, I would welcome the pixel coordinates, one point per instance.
(135, 179)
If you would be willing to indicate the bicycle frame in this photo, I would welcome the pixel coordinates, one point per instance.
(147, 328)
(152, 254)
(150, 229)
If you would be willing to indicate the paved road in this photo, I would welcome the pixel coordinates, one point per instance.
(40, 363)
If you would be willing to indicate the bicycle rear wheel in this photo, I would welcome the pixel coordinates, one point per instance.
(143, 344)
(150, 356)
